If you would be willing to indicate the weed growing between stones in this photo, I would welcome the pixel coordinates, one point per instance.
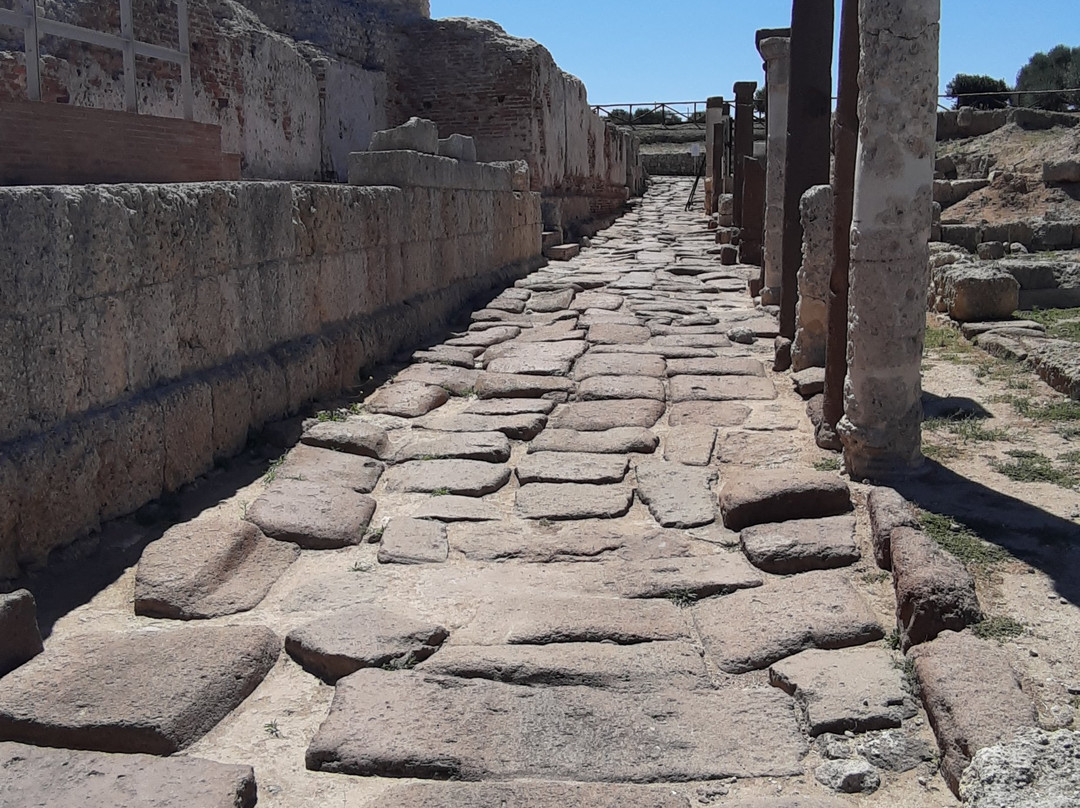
(271, 473)
(440, 492)
(998, 628)
(683, 598)
(962, 541)
(911, 679)
(827, 464)
(332, 415)
(360, 566)
(875, 576)
(892, 639)
(374, 535)
(1032, 467)
(273, 730)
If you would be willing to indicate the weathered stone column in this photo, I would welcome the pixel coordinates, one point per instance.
(744, 138)
(890, 231)
(775, 51)
(753, 212)
(808, 350)
(714, 156)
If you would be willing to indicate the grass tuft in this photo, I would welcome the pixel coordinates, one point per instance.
(1032, 467)
(961, 541)
(998, 628)
(828, 464)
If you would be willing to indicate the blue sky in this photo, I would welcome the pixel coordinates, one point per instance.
(688, 50)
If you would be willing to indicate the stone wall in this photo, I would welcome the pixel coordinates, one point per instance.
(145, 329)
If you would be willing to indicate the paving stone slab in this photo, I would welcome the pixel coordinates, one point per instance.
(560, 501)
(572, 467)
(600, 388)
(328, 466)
(598, 300)
(597, 416)
(148, 691)
(456, 509)
(629, 668)
(551, 301)
(470, 478)
(536, 794)
(715, 340)
(456, 380)
(535, 620)
(524, 426)
(490, 447)
(676, 495)
(809, 382)
(413, 541)
(562, 331)
(689, 579)
(510, 385)
(812, 610)
(446, 355)
(214, 565)
(535, 544)
(19, 629)
(406, 399)
(510, 406)
(362, 636)
(622, 440)
(539, 363)
(850, 690)
(618, 334)
(316, 516)
(690, 445)
(352, 436)
(972, 697)
(742, 447)
(600, 317)
(410, 724)
(888, 510)
(707, 413)
(63, 778)
(716, 366)
(800, 545)
(611, 364)
(485, 337)
(720, 388)
(654, 350)
(752, 497)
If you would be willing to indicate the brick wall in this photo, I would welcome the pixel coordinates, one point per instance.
(52, 144)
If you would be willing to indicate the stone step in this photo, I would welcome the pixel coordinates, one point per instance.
(562, 252)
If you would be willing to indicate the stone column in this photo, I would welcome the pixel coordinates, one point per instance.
(714, 139)
(776, 52)
(744, 138)
(890, 231)
(753, 211)
(808, 350)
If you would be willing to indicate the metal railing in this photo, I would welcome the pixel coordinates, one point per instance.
(34, 25)
(670, 113)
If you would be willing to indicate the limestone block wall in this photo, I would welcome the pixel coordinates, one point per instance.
(145, 329)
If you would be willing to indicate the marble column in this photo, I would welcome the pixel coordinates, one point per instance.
(744, 139)
(776, 52)
(890, 231)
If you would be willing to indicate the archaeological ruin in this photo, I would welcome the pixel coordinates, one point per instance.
(384, 423)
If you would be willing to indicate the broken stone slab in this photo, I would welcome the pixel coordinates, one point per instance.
(456, 509)
(21, 638)
(618, 334)
(800, 545)
(534, 358)
(934, 590)
(412, 724)
(362, 636)
(627, 668)
(895, 750)
(1036, 769)
(972, 292)
(690, 445)
(685, 579)
(413, 541)
(551, 301)
(509, 385)
(973, 330)
(510, 406)
(416, 134)
(812, 610)
(597, 300)
(490, 447)
(765, 495)
(316, 516)
(720, 388)
(707, 413)
(470, 478)
(622, 440)
(148, 691)
(531, 543)
(850, 690)
(447, 355)
(560, 501)
(972, 697)
(848, 776)
(809, 382)
(572, 467)
(351, 436)
(63, 778)
(316, 465)
(458, 147)
(716, 366)
(677, 495)
(406, 399)
(888, 511)
(455, 380)
(597, 416)
(562, 252)
(612, 364)
(485, 338)
(562, 331)
(602, 388)
(654, 350)
(212, 566)
(714, 340)
(524, 426)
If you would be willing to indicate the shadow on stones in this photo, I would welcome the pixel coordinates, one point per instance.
(956, 408)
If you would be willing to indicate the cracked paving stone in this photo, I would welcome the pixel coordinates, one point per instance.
(490, 447)
(622, 440)
(602, 388)
(351, 436)
(412, 724)
(572, 467)
(708, 413)
(619, 365)
(718, 366)
(456, 509)
(559, 501)
(618, 334)
(690, 445)
(446, 355)
(530, 543)
(676, 495)
(744, 448)
(721, 388)
(551, 301)
(518, 385)
(598, 300)
(362, 636)
(413, 541)
(406, 399)
(752, 497)
(652, 350)
(690, 341)
(484, 338)
(534, 358)
(598, 416)
(800, 545)
(692, 578)
(510, 406)
(524, 426)
(470, 478)
(459, 381)
(328, 466)
(316, 516)
(563, 331)
(812, 610)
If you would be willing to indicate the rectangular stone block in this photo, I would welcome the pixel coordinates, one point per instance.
(406, 169)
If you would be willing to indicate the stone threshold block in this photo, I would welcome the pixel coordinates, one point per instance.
(562, 252)
(411, 724)
(410, 169)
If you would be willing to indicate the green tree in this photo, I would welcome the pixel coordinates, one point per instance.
(1058, 69)
(967, 90)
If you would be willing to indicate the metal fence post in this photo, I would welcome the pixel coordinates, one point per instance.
(186, 90)
(127, 33)
(30, 49)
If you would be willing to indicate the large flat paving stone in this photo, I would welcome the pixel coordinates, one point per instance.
(484, 338)
(850, 690)
(751, 629)
(690, 445)
(413, 541)
(456, 380)
(351, 436)
(456, 509)
(600, 388)
(316, 516)
(718, 366)
(537, 794)
(62, 778)
(720, 388)
(691, 578)
(522, 426)
(572, 467)
(406, 399)
(470, 478)
(531, 620)
(708, 413)
(149, 691)
(536, 544)
(668, 352)
(676, 495)
(362, 636)
(534, 358)
(214, 565)
(510, 406)
(520, 385)
(597, 416)
(558, 501)
(621, 440)
(619, 365)
(618, 334)
(327, 466)
(691, 341)
(800, 545)
(410, 724)
(19, 628)
(490, 447)
(598, 300)
(752, 496)
(632, 668)
(447, 355)
(551, 301)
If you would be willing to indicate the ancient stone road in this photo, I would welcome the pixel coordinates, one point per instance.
(575, 555)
